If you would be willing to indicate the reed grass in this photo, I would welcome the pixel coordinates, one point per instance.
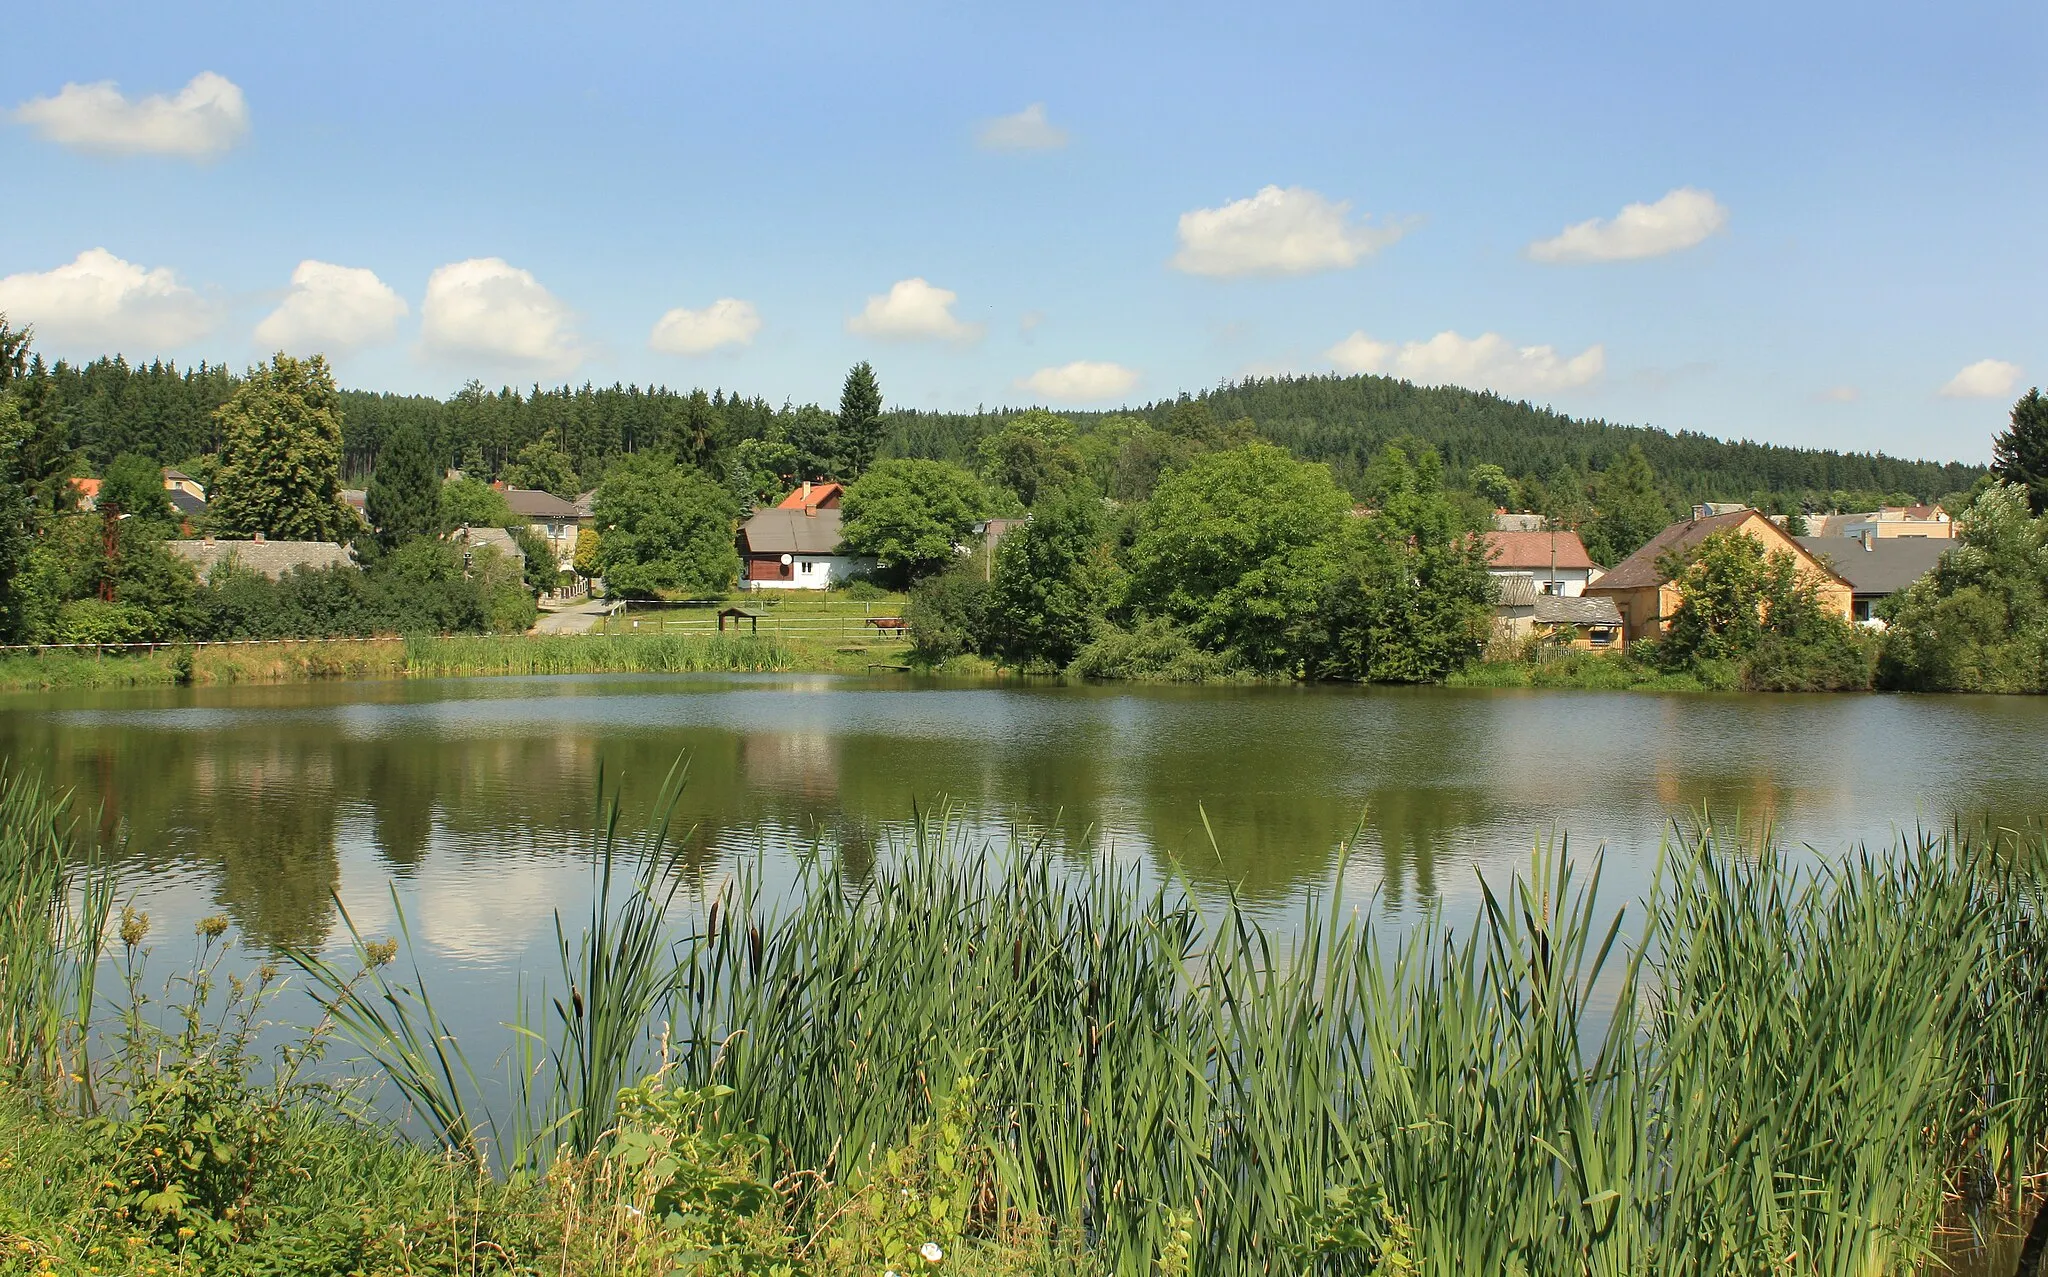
(466, 655)
(53, 919)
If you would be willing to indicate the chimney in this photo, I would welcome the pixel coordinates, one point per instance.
(807, 494)
(259, 538)
(209, 539)
(810, 511)
(1868, 538)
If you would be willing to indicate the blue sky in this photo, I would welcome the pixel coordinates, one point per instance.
(1841, 240)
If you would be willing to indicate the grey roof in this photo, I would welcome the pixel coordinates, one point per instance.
(1516, 590)
(781, 531)
(497, 538)
(1888, 566)
(532, 503)
(271, 558)
(586, 503)
(1566, 609)
(184, 502)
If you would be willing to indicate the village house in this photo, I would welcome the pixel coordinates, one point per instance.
(1552, 562)
(550, 517)
(1589, 624)
(273, 559)
(795, 546)
(1876, 569)
(176, 480)
(1646, 598)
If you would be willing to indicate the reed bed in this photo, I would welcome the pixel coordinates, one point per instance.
(1770, 1065)
(458, 655)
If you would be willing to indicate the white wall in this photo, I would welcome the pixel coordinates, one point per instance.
(814, 572)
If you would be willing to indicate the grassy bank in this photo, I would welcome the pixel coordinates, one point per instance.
(450, 656)
(1583, 671)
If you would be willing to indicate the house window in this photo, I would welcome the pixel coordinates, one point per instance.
(1602, 637)
(1550, 587)
(808, 567)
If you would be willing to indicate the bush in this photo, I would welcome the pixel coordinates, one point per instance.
(862, 590)
(1156, 650)
(947, 614)
(98, 621)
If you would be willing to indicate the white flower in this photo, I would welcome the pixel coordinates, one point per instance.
(931, 1252)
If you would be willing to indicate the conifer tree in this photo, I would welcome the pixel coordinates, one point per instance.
(2020, 454)
(404, 501)
(859, 433)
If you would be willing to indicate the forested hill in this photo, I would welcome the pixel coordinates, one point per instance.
(109, 407)
(1345, 420)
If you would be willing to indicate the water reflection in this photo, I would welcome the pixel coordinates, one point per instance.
(477, 797)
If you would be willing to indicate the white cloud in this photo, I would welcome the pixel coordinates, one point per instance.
(1841, 394)
(912, 308)
(332, 307)
(204, 118)
(486, 307)
(1681, 219)
(1985, 379)
(725, 322)
(1083, 381)
(101, 302)
(1488, 361)
(1290, 231)
(1027, 130)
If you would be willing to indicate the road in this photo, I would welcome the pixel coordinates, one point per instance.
(574, 619)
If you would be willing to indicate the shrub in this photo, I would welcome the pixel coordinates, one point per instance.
(947, 614)
(1155, 650)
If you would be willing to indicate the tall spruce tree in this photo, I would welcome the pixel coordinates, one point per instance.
(404, 501)
(2020, 453)
(280, 457)
(859, 433)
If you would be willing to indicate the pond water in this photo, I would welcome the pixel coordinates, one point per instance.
(475, 798)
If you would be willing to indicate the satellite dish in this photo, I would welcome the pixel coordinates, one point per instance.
(785, 560)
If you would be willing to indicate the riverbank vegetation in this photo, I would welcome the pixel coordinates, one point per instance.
(972, 1060)
(435, 656)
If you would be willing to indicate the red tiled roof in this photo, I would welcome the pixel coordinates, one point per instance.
(86, 487)
(815, 496)
(1537, 550)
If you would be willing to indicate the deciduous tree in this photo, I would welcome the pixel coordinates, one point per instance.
(665, 529)
(280, 460)
(1051, 583)
(912, 515)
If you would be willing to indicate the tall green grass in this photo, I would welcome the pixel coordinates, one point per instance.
(53, 919)
(462, 655)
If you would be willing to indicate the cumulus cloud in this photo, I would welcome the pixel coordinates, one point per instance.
(725, 322)
(1841, 394)
(204, 118)
(1681, 219)
(1488, 361)
(97, 300)
(1279, 231)
(1083, 381)
(1985, 379)
(1027, 130)
(488, 308)
(332, 308)
(912, 308)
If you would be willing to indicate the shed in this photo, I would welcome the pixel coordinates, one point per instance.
(736, 615)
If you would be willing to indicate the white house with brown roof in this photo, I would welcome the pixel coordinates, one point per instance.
(1553, 562)
(795, 549)
(550, 517)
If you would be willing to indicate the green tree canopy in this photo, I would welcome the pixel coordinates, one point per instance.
(663, 528)
(858, 433)
(280, 457)
(1033, 455)
(1979, 621)
(1492, 485)
(1051, 579)
(472, 503)
(1753, 609)
(2020, 453)
(543, 466)
(1412, 601)
(134, 485)
(1240, 546)
(16, 515)
(912, 514)
(404, 500)
(1630, 508)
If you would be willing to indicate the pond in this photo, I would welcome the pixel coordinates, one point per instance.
(476, 798)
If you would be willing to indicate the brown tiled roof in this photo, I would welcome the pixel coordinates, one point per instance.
(1640, 569)
(532, 503)
(782, 531)
(1535, 550)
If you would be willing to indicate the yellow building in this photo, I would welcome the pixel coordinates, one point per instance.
(1646, 599)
